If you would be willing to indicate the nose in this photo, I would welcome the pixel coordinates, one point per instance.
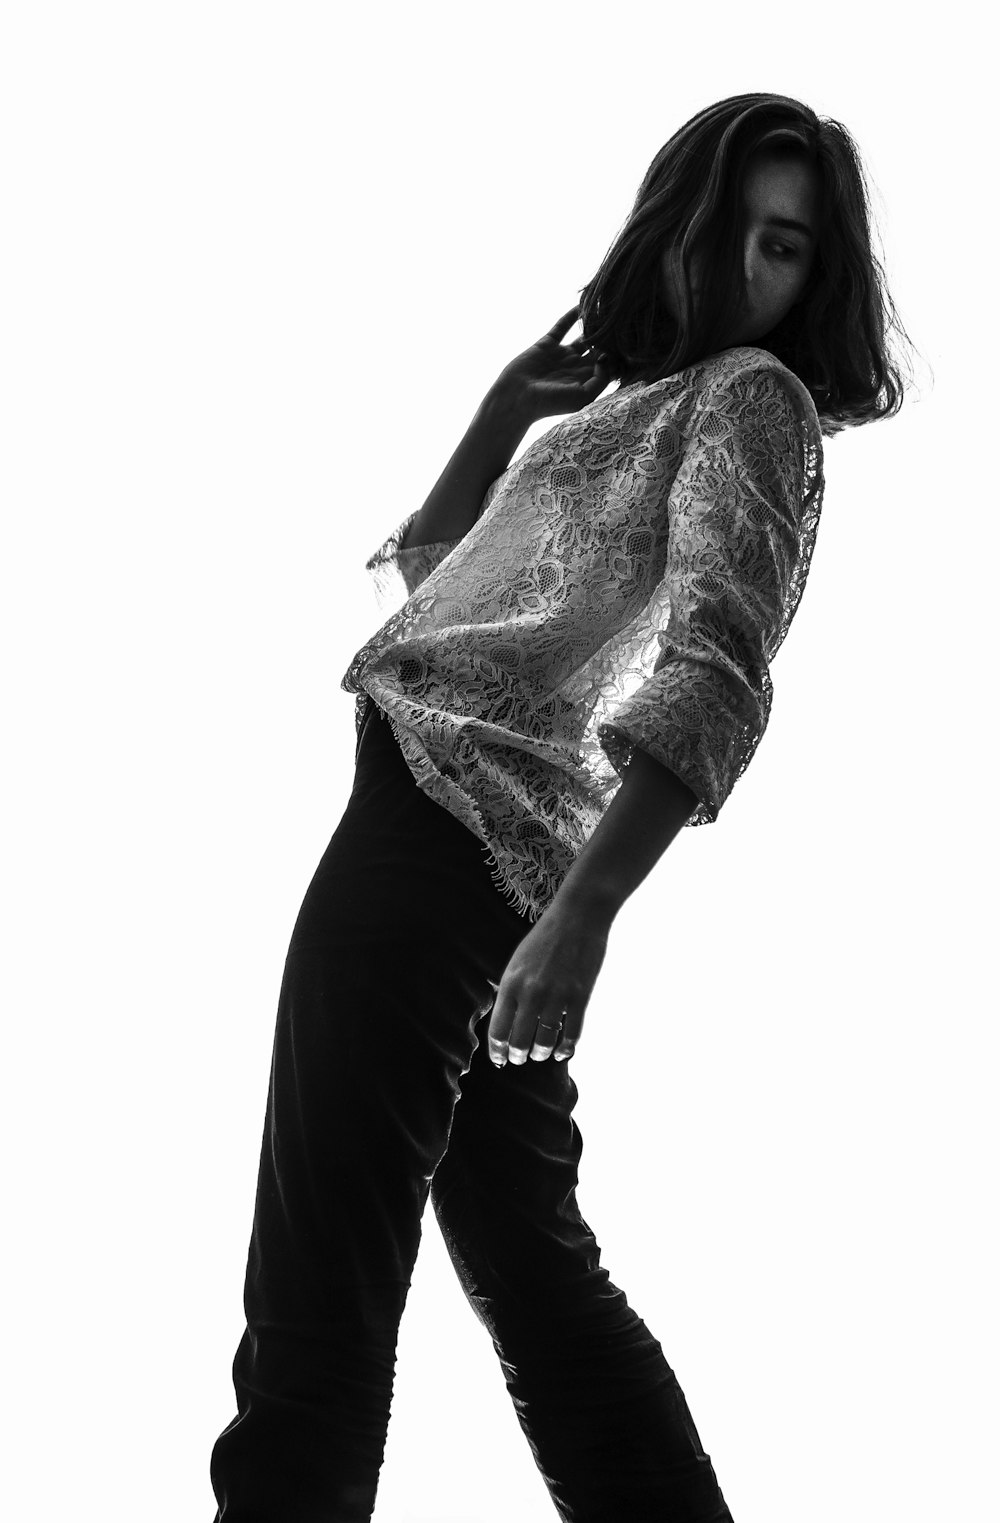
(748, 264)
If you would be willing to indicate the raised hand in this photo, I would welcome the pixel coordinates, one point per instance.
(552, 377)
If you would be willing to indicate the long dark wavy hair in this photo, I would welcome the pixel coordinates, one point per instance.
(836, 339)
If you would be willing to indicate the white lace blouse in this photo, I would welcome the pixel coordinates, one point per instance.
(627, 583)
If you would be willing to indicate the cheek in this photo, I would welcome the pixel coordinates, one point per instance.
(798, 281)
(780, 291)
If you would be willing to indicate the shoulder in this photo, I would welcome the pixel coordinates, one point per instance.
(751, 413)
(754, 387)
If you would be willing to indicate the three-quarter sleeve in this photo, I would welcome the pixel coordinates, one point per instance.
(398, 570)
(742, 516)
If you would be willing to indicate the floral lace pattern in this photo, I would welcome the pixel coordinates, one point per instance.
(627, 583)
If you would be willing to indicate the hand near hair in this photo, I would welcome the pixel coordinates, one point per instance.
(551, 377)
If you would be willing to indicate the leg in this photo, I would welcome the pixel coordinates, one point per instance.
(386, 975)
(601, 1409)
(358, 1113)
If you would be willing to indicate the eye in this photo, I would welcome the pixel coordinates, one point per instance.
(783, 251)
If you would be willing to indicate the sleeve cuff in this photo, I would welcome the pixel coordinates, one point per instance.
(397, 570)
(618, 745)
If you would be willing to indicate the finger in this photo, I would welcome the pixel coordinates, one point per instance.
(498, 1037)
(560, 328)
(571, 360)
(526, 1033)
(570, 365)
(547, 1034)
(569, 1036)
(522, 1034)
(565, 364)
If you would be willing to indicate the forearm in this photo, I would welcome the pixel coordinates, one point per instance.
(483, 454)
(648, 811)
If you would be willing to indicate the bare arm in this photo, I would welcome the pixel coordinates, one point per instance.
(555, 967)
(548, 378)
(484, 454)
(648, 811)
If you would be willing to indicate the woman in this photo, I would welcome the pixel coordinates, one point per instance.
(580, 668)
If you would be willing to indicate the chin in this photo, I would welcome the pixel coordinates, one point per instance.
(754, 336)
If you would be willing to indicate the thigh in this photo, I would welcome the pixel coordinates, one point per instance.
(400, 866)
(505, 1191)
(367, 1058)
(391, 963)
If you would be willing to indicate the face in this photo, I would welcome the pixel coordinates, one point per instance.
(780, 201)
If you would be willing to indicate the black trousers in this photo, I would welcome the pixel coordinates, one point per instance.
(381, 1093)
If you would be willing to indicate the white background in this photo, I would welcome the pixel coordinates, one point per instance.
(261, 263)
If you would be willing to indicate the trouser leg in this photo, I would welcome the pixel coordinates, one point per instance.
(603, 1413)
(357, 1116)
(388, 971)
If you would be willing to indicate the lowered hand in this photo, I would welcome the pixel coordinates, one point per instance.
(552, 970)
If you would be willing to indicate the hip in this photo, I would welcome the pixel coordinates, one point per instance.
(399, 865)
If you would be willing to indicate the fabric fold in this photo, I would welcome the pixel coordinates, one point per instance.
(627, 582)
